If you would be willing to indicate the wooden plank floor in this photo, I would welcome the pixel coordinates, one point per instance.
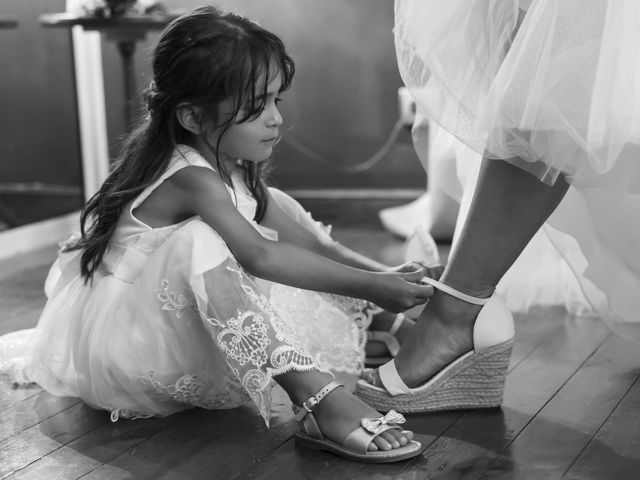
(571, 409)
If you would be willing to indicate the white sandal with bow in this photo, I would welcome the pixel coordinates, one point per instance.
(355, 445)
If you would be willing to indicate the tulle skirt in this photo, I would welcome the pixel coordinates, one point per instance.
(552, 86)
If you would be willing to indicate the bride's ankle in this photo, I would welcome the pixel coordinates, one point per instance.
(448, 310)
(474, 289)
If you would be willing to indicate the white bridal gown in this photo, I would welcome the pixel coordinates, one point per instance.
(554, 87)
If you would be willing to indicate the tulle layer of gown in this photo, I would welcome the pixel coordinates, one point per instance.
(552, 87)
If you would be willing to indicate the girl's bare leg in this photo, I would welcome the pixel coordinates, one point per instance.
(508, 208)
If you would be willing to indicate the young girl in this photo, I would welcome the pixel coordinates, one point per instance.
(189, 286)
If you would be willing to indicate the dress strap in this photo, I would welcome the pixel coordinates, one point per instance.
(183, 156)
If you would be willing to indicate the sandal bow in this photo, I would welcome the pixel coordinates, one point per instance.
(373, 425)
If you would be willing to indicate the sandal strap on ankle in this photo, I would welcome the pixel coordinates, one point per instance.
(314, 400)
(397, 323)
(455, 293)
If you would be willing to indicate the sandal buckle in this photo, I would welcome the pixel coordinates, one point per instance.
(310, 404)
(314, 400)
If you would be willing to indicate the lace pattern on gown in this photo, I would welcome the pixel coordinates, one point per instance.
(334, 329)
(256, 343)
(198, 390)
(178, 303)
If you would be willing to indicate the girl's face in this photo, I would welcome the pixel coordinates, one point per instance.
(254, 139)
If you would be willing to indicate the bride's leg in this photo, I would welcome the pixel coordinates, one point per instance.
(508, 208)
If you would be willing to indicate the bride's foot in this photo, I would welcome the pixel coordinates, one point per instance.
(442, 334)
(457, 357)
(339, 413)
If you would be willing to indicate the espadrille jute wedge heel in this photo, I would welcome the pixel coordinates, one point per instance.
(474, 380)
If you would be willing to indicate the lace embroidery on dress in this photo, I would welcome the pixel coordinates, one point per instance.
(333, 330)
(172, 302)
(199, 391)
(119, 413)
(350, 304)
(245, 340)
(363, 313)
(247, 330)
(360, 311)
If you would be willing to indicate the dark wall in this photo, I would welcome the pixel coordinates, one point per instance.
(343, 103)
(342, 106)
(39, 141)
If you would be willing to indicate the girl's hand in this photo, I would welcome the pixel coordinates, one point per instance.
(431, 271)
(398, 292)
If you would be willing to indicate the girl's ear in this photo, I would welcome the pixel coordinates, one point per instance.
(189, 118)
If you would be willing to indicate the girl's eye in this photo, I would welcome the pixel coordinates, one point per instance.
(253, 111)
(256, 110)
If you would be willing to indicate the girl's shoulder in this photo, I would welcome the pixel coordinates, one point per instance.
(182, 157)
(193, 180)
(186, 156)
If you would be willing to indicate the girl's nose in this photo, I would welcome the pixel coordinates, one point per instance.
(275, 119)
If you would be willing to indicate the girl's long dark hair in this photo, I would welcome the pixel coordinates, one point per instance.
(202, 58)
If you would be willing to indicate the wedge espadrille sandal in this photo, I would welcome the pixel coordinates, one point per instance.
(474, 380)
(355, 445)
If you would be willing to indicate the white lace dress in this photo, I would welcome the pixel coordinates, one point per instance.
(172, 321)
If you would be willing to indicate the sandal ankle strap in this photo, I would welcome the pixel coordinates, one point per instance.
(314, 400)
(397, 323)
(455, 293)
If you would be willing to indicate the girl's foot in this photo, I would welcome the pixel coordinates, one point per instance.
(443, 333)
(339, 413)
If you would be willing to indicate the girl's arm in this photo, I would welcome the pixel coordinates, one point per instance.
(292, 232)
(289, 230)
(203, 193)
